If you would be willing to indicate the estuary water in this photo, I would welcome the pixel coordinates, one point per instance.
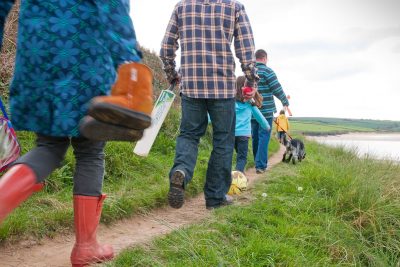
(377, 145)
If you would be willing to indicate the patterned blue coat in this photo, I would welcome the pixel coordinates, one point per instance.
(67, 53)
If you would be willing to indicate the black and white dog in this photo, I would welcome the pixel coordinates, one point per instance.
(295, 150)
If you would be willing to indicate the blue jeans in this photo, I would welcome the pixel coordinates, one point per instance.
(260, 143)
(193, 126)
(241, 147)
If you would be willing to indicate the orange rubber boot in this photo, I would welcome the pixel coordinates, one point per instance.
(16, 185)
(86, 251)
(96, 130)
(131, 101)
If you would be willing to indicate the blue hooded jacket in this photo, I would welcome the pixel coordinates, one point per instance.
(244, 113)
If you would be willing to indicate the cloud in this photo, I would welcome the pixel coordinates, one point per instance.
(323, 67)
(326, 53)
(396, 49)
(307, 47)
(354, 40)
(368, 37)
(329, 71)
(336, 73)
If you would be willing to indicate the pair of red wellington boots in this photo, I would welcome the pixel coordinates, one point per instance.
(124, 114)
(19, 183)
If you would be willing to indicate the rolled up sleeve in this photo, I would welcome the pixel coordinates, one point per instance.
(244, 41)
(169, 44)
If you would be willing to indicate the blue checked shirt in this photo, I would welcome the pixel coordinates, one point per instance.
(206, 29)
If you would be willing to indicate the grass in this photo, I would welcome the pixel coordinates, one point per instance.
(375, 125)
(7, 52)
(300, 127)
(343, 216)
(133, 184)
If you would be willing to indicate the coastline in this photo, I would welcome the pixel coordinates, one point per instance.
(381, 146)
(311, 134)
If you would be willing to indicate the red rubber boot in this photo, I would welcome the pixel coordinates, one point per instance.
(16, 185)
(87, 212)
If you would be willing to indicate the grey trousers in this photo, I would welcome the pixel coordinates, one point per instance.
(50, 152)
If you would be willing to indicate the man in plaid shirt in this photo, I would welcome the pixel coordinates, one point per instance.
(206, 29)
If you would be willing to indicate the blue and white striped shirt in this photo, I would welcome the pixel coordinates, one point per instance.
(268, 87)
(206, 29)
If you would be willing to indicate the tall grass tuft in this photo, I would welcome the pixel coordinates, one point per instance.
(7, 53)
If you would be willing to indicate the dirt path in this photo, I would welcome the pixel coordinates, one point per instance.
(127, 233)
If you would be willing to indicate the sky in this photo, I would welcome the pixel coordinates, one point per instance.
(335, 58)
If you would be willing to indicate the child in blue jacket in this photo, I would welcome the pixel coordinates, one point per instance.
(244, 111)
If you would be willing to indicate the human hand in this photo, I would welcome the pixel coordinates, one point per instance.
(176, 80)
(288, 110)
(248, 92)
(250, 72)
(173, 77)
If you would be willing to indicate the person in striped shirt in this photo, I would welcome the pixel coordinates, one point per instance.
(268, 87)
(205, 30)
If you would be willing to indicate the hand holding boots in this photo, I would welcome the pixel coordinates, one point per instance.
(127, 111)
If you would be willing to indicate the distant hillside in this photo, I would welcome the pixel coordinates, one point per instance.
(7, 53)
(316, 124)
(154, 62)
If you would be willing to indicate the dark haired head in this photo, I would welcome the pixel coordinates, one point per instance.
(260, 53)
(282, 112)
(240, 81)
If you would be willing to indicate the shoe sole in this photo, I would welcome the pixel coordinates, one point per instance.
(176, 194)
(100, 131)
(110, 113)
(89, 262)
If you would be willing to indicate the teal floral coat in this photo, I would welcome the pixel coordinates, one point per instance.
(67, 53)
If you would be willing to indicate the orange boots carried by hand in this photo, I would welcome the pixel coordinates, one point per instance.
(127, 111)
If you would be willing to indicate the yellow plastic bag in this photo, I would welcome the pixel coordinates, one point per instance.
(239, 183)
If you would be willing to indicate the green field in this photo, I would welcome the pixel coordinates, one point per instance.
(299, 127)
(315, 214)
(128, 190)
(133, 184)
(337, 125)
